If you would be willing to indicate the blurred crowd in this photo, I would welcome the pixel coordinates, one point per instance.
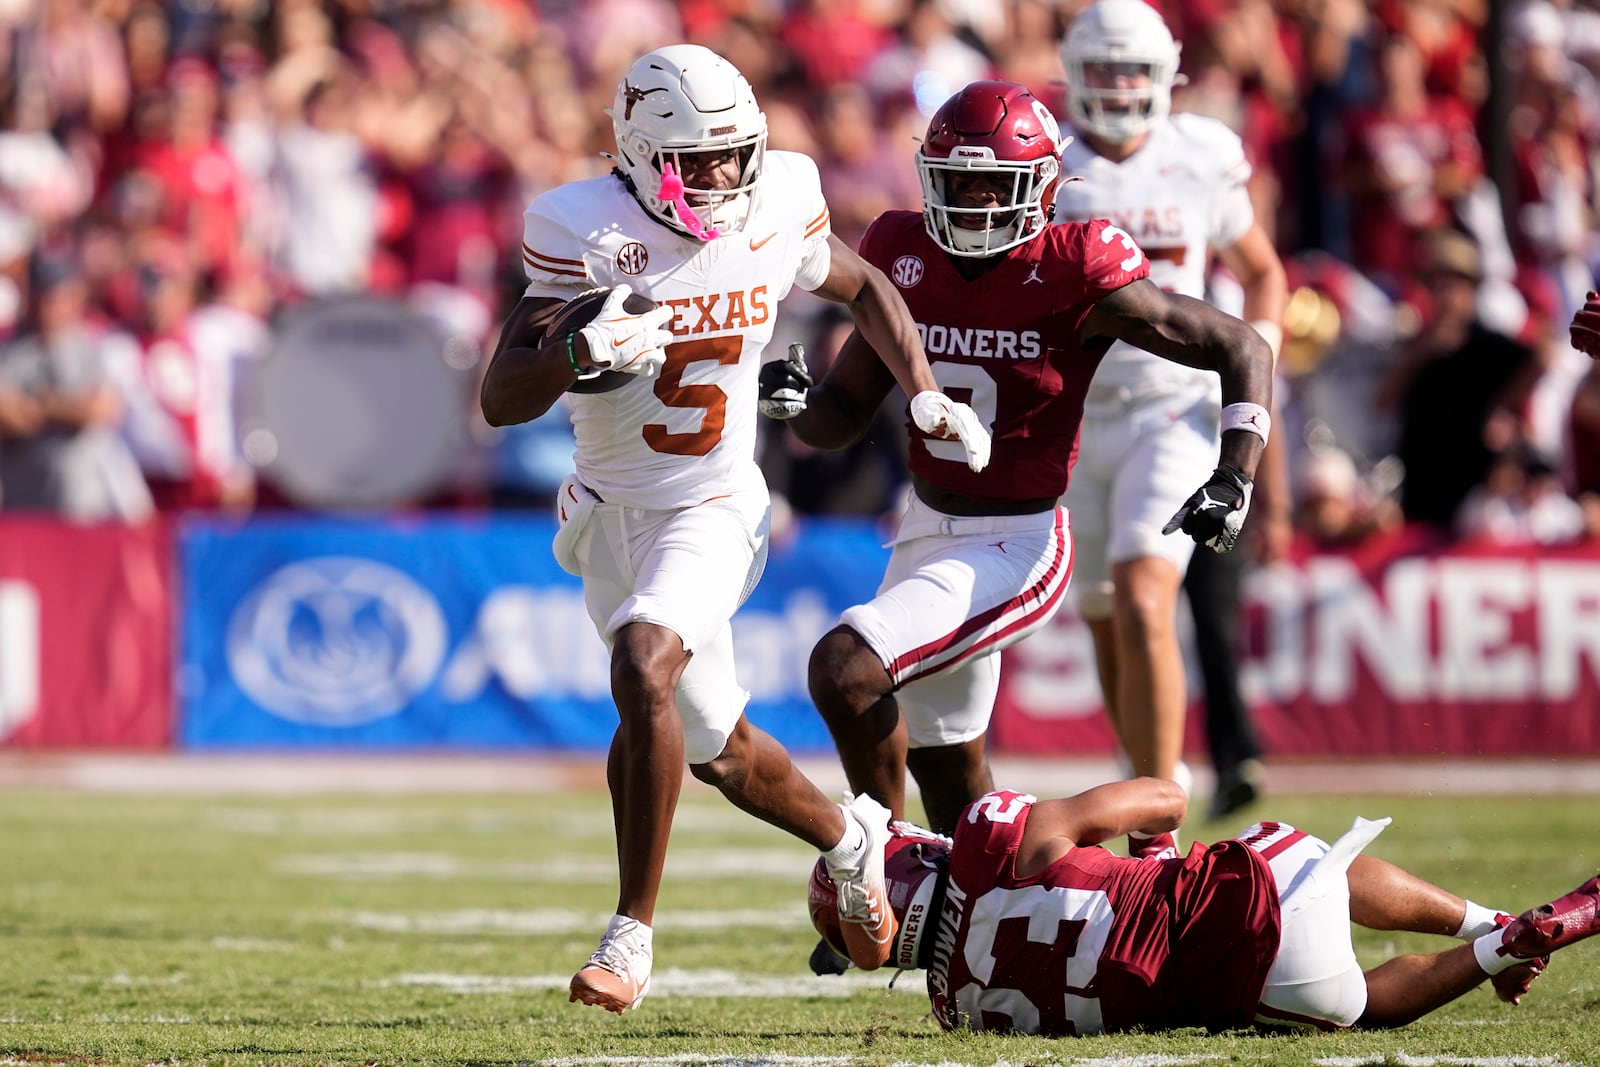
(183, 184)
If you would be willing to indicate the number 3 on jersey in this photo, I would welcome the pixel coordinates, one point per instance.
(1135, 255)
(955, 379)
(1051, 916)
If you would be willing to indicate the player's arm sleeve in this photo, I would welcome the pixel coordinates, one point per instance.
(816, 258)
(1111, 259)
(552, 256)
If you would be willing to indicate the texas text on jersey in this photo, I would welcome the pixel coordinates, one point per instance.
(1007, 343)
(1097, 942)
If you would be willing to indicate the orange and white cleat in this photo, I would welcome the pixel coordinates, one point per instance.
(866, 922)
(617, 976)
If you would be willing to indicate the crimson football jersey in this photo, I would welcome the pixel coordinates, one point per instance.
(1007, 344)
(1097, 942)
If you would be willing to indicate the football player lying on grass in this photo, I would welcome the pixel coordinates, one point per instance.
(1024, 924)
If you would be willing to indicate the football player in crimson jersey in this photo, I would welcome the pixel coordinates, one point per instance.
(1177, 184)
(1015, 315)
(1025, 924)
(666, 518)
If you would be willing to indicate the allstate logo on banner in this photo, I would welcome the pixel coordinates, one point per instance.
(336, 641)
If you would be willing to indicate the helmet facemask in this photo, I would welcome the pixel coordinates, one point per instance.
(1023, 192)
(1121, 63)
(678, 103)
(1120, 99)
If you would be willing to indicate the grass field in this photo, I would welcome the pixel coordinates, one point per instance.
(443, 930)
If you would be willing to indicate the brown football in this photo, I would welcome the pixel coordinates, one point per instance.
(577, 313)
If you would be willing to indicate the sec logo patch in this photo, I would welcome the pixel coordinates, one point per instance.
(632, 258)
(907, 271)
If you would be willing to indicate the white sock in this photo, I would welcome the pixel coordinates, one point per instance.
(1487, 950)
(1478, 921)
(630, 929)
(1184, 777)
(851, 847)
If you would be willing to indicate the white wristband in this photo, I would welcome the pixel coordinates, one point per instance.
(1271, 333)
(1252, 418)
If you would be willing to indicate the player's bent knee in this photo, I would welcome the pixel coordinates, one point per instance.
(844, 674)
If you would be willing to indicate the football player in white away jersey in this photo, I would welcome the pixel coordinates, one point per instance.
(1176, 183)
(666, 518)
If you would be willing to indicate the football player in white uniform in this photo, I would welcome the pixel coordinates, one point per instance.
(1176, 183)
(666, 518)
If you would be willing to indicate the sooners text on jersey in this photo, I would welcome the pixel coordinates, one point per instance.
(1007, 344)
(1097, 942)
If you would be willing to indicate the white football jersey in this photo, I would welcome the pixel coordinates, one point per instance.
(1181, 195)
(689, 433)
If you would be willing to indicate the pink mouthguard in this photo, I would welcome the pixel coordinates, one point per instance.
(672, 192)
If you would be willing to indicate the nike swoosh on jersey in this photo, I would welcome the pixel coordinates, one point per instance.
(755, 245)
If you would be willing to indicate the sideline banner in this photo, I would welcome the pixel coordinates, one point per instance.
(307, 632)
(1397, 648)
(85, 635)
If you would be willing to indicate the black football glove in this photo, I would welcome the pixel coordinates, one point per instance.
(783, 384)
(1215, 513)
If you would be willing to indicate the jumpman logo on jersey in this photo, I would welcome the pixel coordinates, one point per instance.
(1001, 545)
(1033, 276)
(1207, 502)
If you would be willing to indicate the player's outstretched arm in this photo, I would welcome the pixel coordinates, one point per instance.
(1149, 805)
(1194, 333)
(881, 316)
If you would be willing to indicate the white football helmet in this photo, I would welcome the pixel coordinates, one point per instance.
(1124, 32)
(680, 100)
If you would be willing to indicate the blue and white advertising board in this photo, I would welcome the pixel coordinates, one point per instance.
(459, 633)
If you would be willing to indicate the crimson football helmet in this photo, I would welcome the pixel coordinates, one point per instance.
(680, 100)
(914, 862)
(1129, 37)
(1000, 131)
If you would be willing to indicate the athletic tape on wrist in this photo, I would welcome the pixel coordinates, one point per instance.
(1246, 416)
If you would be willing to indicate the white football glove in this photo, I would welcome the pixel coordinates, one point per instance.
(938, 416)
(626, 343)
